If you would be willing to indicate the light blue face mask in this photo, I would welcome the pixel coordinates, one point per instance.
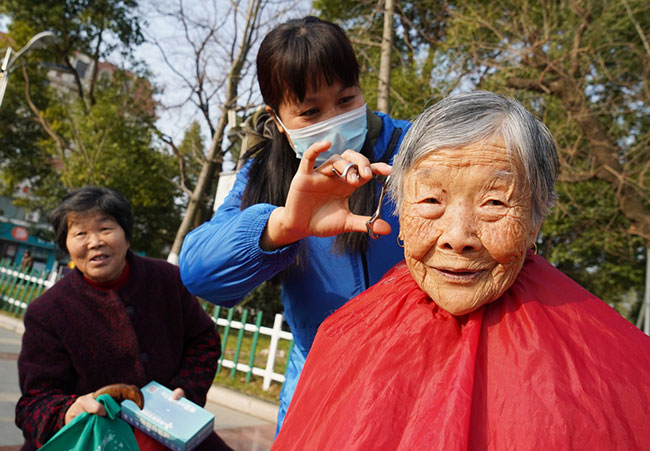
(345, 131)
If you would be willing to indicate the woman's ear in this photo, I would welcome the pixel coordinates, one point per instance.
(533, 233)
(275, 118)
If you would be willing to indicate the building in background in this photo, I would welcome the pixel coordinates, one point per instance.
(21, 230)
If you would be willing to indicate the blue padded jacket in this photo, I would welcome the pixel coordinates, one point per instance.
(221, 261)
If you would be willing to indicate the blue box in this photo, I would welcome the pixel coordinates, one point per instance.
(178, 424)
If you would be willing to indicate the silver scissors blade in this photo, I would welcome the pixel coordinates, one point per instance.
(377, 214)
(348, 168)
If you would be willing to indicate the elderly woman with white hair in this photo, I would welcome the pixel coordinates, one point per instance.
(474, 341)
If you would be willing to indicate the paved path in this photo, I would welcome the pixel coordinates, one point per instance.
(9, 392)
(234, 421)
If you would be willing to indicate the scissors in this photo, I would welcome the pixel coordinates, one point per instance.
(381, 179)
(377, 214)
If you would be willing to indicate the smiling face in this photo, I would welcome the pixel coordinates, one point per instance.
(97, 245)
(466, 224)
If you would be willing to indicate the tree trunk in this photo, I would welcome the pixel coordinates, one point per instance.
(214, 159)
(383, 91)
(211, 166)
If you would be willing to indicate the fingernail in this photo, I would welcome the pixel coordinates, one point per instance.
(367, 172)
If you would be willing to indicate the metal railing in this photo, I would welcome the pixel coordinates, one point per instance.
(18, 289)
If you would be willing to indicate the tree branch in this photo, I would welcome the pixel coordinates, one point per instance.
(58, 141)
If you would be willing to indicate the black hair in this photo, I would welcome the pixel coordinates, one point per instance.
(294, 56)
(89, 199)
(304, 52)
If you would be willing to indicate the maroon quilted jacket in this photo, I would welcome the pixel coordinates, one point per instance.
(79, 338)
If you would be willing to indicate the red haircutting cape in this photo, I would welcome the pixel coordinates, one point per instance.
(546, 366)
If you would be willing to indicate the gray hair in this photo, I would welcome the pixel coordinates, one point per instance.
(463, 119)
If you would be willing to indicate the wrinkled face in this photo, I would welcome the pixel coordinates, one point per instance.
(97, 245)
(466, 224)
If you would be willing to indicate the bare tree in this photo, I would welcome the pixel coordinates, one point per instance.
(213, 61)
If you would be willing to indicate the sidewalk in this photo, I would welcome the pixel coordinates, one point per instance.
(243, 422)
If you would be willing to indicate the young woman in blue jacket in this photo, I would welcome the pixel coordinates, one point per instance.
(295, 212)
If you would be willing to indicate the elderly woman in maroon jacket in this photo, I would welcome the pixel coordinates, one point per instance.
(117, 318)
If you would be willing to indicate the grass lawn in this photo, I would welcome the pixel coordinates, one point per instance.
(253, 388)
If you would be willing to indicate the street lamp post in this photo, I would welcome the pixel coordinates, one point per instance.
(39, 40)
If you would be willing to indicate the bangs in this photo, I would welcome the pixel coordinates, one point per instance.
(311, 66)
(300, 56)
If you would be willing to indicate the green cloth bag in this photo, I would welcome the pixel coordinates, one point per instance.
(88, 432)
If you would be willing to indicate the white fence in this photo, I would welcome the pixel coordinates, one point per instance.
(18, 289)
(275, 333)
